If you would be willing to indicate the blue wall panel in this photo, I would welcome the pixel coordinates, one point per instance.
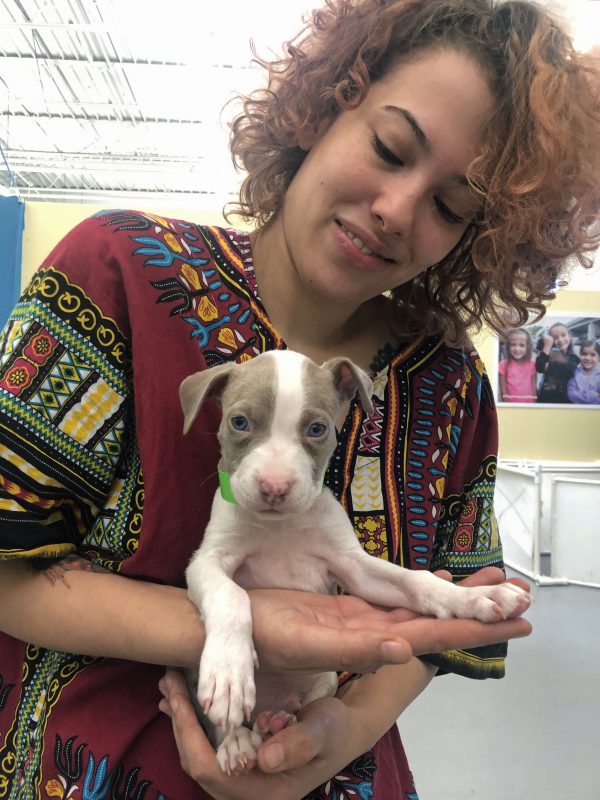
(12, 217)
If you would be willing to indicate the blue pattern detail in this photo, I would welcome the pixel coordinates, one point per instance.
(95, 787)
(162, 255)
(202, 331)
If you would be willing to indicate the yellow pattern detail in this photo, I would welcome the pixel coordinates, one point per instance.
(54, 789)
(96, 406)
(206, 310)
(226, 337)
(173, 243)
(366, 484)
(191, 276)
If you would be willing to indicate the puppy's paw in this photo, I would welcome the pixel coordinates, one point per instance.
(494, 603)
(268, 723)
(237, 752)
(226, 690)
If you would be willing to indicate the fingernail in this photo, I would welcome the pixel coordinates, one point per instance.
(273, 756)
(394, 651)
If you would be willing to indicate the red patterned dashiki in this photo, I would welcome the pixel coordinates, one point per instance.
(93, 461)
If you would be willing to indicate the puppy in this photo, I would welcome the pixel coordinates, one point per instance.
(274, 525)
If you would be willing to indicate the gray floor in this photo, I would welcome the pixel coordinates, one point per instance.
(535, 735)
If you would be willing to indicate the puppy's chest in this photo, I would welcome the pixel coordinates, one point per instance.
(287, 563)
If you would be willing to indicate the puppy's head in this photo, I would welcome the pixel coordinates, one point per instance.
(277, 432)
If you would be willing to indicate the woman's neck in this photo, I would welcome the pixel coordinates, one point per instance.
(308, 322)
(311, 323)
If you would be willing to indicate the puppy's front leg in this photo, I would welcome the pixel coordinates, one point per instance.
(378, 581)
(226, 689)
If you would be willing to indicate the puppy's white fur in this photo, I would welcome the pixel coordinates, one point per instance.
(288, 531)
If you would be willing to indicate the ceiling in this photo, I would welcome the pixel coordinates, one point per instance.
(102, 98)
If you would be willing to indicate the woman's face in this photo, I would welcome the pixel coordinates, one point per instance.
(562, 337)
(589, 358)
(382, 194)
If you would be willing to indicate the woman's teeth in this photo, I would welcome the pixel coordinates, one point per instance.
(358, 243)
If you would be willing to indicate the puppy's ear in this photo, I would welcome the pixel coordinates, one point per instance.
(348, 379)
(197, 388)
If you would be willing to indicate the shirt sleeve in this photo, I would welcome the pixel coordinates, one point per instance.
(467, 536)
(63, 402)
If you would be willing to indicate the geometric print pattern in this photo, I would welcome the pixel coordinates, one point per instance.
(63, 408)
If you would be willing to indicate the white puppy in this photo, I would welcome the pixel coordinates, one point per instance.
(274, 525)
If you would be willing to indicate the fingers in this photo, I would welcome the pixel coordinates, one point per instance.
(297, 745)
(488, 576)
(195, 750)
(427, 635)
(356, 650)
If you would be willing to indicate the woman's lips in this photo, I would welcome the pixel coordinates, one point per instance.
(367, 256)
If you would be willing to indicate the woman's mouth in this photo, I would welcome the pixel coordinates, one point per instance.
(360, 245)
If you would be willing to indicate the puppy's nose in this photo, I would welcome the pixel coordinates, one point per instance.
(274, 490)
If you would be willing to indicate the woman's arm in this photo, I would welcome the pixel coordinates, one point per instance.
(73, 608)
(107, 615)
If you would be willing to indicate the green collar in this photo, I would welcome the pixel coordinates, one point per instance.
(225, 484)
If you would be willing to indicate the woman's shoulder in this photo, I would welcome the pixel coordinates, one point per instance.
(156, 235)
(120, 245)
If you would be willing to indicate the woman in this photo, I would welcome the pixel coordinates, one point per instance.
(413, 170)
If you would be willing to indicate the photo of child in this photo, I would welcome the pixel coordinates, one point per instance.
(584, 386)
(516, 372)
(555, 361)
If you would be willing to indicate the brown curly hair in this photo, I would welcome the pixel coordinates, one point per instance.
(538, 174)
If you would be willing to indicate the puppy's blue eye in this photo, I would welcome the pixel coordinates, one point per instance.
(239, 423)
(316, 430)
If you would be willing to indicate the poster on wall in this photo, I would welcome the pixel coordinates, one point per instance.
(555, 361)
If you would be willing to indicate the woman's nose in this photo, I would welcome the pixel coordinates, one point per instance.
(395, 207)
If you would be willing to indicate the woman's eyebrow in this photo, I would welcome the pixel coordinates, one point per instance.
(421, 137)
(416, 128)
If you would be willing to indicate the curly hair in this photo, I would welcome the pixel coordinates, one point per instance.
(538, 175)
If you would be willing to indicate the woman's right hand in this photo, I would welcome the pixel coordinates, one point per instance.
(308, 632)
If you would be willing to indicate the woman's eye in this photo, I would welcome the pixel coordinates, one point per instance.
(239, 423)
(385, 153)
(446, 213)
(317, 430)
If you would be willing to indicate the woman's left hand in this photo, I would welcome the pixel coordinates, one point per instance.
(301, 756)
(290, 764)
